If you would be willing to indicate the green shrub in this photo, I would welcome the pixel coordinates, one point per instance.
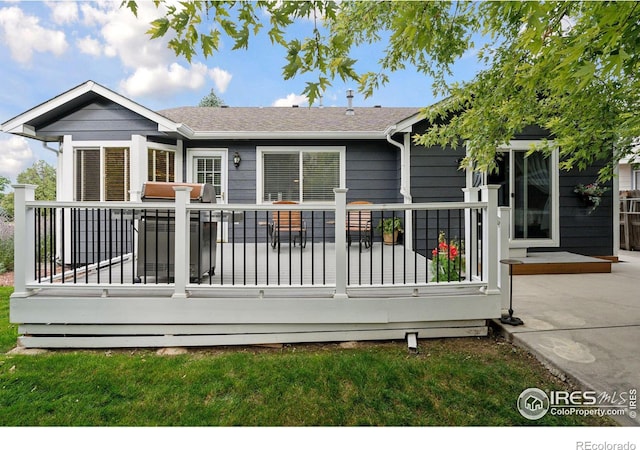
(6, 254)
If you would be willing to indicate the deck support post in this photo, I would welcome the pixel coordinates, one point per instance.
(23, 240)
(470, 231)
(504, 280)
(490, 238)
(181, 263)
(341, 243)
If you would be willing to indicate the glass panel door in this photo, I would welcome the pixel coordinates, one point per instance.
(210, 166)
(208, 169)
(532, 195)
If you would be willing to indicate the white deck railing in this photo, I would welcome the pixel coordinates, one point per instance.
(100, 246)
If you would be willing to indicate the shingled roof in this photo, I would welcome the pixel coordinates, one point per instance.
(373, 120)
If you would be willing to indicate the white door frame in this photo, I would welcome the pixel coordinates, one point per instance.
(222, 153)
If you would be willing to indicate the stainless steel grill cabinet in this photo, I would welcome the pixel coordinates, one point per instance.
(156, 233)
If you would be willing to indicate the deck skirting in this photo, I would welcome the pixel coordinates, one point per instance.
(56, 322)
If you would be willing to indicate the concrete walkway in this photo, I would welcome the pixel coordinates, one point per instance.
(585, 326)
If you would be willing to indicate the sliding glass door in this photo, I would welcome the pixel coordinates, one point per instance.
(529, 186)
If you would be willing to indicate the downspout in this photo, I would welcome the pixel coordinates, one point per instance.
(405, 185)
(59, 167)
(57, 152)
(405, 166)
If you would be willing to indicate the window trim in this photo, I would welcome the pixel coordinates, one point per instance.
(261, 150)
(203, 152)
(101, 146)
(159, 148)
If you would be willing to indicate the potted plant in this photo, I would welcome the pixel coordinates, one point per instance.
(591, 194)
(390, 228)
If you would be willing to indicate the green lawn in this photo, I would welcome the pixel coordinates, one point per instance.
(450, 382)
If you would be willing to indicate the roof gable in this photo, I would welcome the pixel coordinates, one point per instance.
(73, 99)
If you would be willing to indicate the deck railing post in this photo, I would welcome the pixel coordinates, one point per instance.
(341, 243)
(470, 232)
(490, 261)
(504, 222)
(182, 231)
(23, 239)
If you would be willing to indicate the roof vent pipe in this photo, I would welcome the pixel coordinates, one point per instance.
(350, 111)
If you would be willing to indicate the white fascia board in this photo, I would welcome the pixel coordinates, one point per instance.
(406, 125)
(287, 135)
(22, 129)
(46, 107)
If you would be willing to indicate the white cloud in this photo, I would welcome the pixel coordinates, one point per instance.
(290, 100)
(163, 80)
(89, 46)
(221, 78)
(93, 15)
(15, 156)
(153, 65)
(63, 12)
(24, 35)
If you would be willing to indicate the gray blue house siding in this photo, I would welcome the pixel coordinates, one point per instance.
(372, 174)
(581, 231)
(435, 177)
(99, 119)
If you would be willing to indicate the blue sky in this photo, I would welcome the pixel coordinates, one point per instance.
(48, 47)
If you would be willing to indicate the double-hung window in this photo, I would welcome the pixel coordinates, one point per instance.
(102, 174)
(301, 174)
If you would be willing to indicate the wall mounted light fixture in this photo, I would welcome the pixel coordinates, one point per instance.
(236, 159)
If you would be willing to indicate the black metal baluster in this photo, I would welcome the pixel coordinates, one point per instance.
(393, 249)
(62, 240)
(461, 243)
(414, 223)
(438, 245)
(99, 258)
(233, 252)
(313, 234)
(143, 236)
(301, 241)
(111, 245)
(75, 230)
(255, 247)
(221, 247)
(382, 250)
(267, 244)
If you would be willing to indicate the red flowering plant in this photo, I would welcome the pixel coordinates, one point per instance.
(447, 263)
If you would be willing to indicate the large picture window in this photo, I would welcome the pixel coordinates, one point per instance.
(307, 174)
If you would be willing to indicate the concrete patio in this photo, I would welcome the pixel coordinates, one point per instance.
(585, 327)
